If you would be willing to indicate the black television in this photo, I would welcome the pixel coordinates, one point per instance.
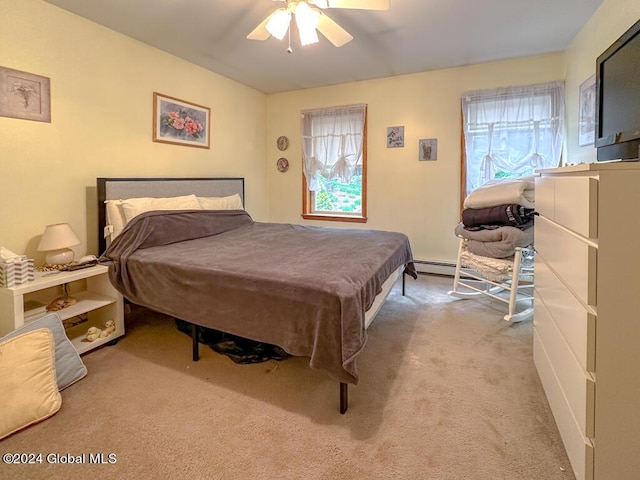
(617, 132)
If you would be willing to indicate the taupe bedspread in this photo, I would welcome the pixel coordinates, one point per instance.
(305, 289)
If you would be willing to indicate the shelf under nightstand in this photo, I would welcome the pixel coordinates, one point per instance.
(97, 302)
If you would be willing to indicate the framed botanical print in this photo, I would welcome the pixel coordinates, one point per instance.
(179, 122)
(24, 95)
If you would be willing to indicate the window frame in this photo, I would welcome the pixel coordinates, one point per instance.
(307, 195)
(464, 164)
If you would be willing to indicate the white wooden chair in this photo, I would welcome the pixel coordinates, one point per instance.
(508, 280)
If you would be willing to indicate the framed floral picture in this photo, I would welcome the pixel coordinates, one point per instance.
(24, 95)
(179, 122)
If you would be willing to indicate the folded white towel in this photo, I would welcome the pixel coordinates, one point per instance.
(519, 190)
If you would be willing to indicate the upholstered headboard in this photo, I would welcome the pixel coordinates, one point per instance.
(126, 188)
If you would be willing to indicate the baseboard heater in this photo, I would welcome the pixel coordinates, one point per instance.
(436, 268)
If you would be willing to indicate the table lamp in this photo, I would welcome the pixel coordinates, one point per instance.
(56, 241)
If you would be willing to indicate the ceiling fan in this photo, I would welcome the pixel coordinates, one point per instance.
(310, 18)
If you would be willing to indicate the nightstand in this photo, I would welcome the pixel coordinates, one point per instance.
(97, 302)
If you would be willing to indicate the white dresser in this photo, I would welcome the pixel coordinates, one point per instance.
(587, 313)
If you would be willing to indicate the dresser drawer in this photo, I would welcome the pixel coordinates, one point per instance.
(576, 204)
(579, 449)
(569, 201)
(545, 196)
(572, 259)
(576, 324)
(576, 385)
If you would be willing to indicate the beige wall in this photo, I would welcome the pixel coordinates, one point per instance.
(102, 85)
(420, 199)
(610, 21)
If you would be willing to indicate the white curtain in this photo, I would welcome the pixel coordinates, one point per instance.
(332, 140)
(512, 131)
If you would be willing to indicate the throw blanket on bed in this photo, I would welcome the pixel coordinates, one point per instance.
(520, 191)
(511, 214)
(499, 242)
(305, 289)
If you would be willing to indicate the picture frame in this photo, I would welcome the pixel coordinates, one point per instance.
(587, 112)
(427, 149)
(395, 137)
(25, 95)
(180, 122)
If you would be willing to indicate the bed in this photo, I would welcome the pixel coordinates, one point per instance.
(310, 290)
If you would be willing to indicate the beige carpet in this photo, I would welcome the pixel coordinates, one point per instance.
(448, 391)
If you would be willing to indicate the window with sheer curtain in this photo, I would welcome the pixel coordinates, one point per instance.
(510, 132)
(334, 152)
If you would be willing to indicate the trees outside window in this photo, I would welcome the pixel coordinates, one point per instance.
(510, 132)
(334, 163)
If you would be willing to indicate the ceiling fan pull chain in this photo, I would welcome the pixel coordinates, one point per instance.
(289, 49)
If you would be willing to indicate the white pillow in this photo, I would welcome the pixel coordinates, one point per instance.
(232, 202)
(133, 207)
(115, 217)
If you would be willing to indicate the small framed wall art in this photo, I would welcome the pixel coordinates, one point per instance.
(587, 113)
(427, 149)
(179, 122)
(395, 137)
(24, 95)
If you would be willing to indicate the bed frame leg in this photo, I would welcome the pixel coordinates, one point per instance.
(344, 397)
(404, 281)
(195, 331)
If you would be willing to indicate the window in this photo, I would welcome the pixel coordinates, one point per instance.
(334, 151)
(510, 132)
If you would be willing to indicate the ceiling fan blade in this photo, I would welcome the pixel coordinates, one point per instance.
(359, 4)
(334, 32)
(261, 32)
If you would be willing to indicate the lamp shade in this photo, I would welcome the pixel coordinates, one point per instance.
(279, 23)
(56, 240)
(307, 21)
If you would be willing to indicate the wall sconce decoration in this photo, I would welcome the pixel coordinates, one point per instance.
(282, 143)
(282, 164)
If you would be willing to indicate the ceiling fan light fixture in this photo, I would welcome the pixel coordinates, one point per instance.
(308, 36)
(311, 19)
(279, 22)
(307, 21)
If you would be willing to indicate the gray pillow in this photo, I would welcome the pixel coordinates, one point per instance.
(69, 366)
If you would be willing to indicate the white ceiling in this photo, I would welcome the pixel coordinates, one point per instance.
(413, 36)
